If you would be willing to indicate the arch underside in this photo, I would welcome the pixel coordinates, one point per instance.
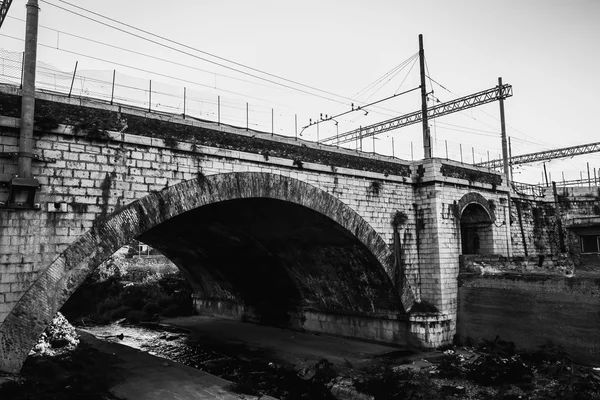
(274, 257)
(265, 240)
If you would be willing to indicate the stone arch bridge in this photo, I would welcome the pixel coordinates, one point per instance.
(266, 228)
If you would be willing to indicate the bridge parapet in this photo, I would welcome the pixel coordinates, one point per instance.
(100, 120)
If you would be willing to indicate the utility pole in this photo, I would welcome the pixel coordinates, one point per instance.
(28, 96)
(22, 187)
(426, 136)
(503, 127)
(512, 177)
(506, 169)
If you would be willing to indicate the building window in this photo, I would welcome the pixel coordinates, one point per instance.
(589, 244)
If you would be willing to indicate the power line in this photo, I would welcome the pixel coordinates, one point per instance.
(408, 73)
(203, 59)
(196, 49)
(146, 71)
(377, 81)
(392, 77)
(198, 57)
(201, 51)
(143, 54)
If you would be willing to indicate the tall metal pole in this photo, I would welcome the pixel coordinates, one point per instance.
(510, 165)
(503, 127)
(507, 172)
(426, 136)
(589, 179)
(28, 96)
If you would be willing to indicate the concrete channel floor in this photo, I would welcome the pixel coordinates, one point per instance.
(147, 377)
(293, 347)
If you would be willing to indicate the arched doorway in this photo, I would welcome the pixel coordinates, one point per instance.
(476, 230)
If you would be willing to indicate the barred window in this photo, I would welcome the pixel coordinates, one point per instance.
(589, 243)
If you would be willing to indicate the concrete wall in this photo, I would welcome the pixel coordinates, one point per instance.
(383, 328)
(539, 294)
(532, 310)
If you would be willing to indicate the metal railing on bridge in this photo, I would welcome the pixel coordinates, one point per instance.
(189, 102)
(528, 189)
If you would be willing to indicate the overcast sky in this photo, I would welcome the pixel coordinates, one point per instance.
(548, 50)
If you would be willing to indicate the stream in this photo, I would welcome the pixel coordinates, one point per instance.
(252, 371)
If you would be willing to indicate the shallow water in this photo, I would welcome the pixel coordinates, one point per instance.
(162, 341)
(253, 371)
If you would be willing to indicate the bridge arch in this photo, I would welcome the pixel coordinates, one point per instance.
(58, 281)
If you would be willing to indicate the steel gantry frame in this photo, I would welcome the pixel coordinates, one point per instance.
(545, 155)
(4, 6)
(463, 103)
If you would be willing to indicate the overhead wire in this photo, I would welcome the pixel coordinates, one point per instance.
(144, 54)
(382, 84)
(384, 76)
(191, 48)
(200, 51)
(146, 71)
(201, 58)
(203, 52)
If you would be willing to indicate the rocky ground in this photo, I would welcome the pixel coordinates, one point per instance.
(62, 368)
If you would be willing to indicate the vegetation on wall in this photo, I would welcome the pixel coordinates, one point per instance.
(471, 175)
(375, 188)
(96, 121)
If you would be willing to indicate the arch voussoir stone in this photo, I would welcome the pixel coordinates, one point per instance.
(475, 198)
(55, 283)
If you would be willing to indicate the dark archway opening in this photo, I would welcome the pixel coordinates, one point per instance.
(272, 259)
(476, 230)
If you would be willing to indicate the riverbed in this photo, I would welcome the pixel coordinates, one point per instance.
(288, 365)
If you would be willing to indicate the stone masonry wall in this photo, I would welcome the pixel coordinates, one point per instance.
(93, 177)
